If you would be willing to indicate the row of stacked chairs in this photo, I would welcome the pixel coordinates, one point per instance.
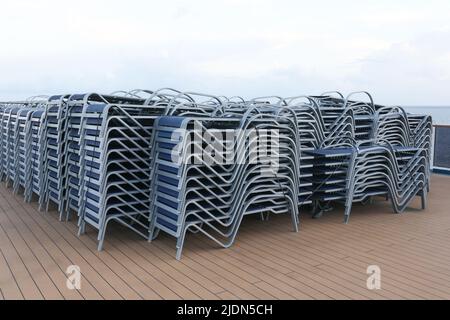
(178, 162)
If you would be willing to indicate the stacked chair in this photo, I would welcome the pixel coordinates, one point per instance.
(7, 137)
(8, 140)
(114, 175)
(175, 162)
(385, 170)
(22, 150)
(20, 145)
(421, 137)
(210, 192)
(111, 155)
(11, 154)
(75, 109)
(351, 167)
(5, 113)
(36, 153)
(54, 158)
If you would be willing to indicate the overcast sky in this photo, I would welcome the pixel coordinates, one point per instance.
(397, 50)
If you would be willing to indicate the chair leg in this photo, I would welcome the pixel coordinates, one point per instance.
(316, 211)
(346, 218)
(153, 234)
(424, 199)
(82, 228)
(348, 209)
(180, 243)
(100, 242)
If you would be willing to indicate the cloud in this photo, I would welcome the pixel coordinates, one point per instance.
(415, 72)
(233, 47)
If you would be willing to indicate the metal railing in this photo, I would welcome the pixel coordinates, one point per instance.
(440, 157)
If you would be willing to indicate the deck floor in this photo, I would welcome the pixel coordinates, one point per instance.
(325, 260)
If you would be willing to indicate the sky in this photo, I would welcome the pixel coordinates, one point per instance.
(399, 51)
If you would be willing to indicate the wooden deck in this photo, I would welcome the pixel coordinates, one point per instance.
(325, 260)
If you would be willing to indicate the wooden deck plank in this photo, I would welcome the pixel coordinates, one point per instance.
(234, 275)
(325, 260)
(280, 295)
(286, 251)
(395, 258)
(223, 280)
(371, 257)
(302, 273)
(55, 274)
(88, 291)
(260, 272)
(360, 279)
(91, 268)
(8, 284)
(354, 246)
(358, 240)
(22, 276)
(225, 295)
(331, 260)
(286, 258)
(142, 281)
(171, 279)
(36, 270)
(165, 269)
(133, 256)
(173, 268)
(273, 276)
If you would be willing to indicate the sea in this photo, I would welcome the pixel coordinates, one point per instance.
(440, 114)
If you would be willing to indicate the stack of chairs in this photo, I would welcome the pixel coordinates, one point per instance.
(3, 106)
(6, 133)
(391, 124)
(22, 150)
(171, 161)
(75, 109)
(5, 112)
(11, 129)
(54, 138)
(8, 139)
(37, 156)
(330, 173)
(20, 140)
(355, 123)
(210, 192)
(349, 166)
(114, 161)
(311, 132)
(421, 137)
(383, 169)
(322, 120)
